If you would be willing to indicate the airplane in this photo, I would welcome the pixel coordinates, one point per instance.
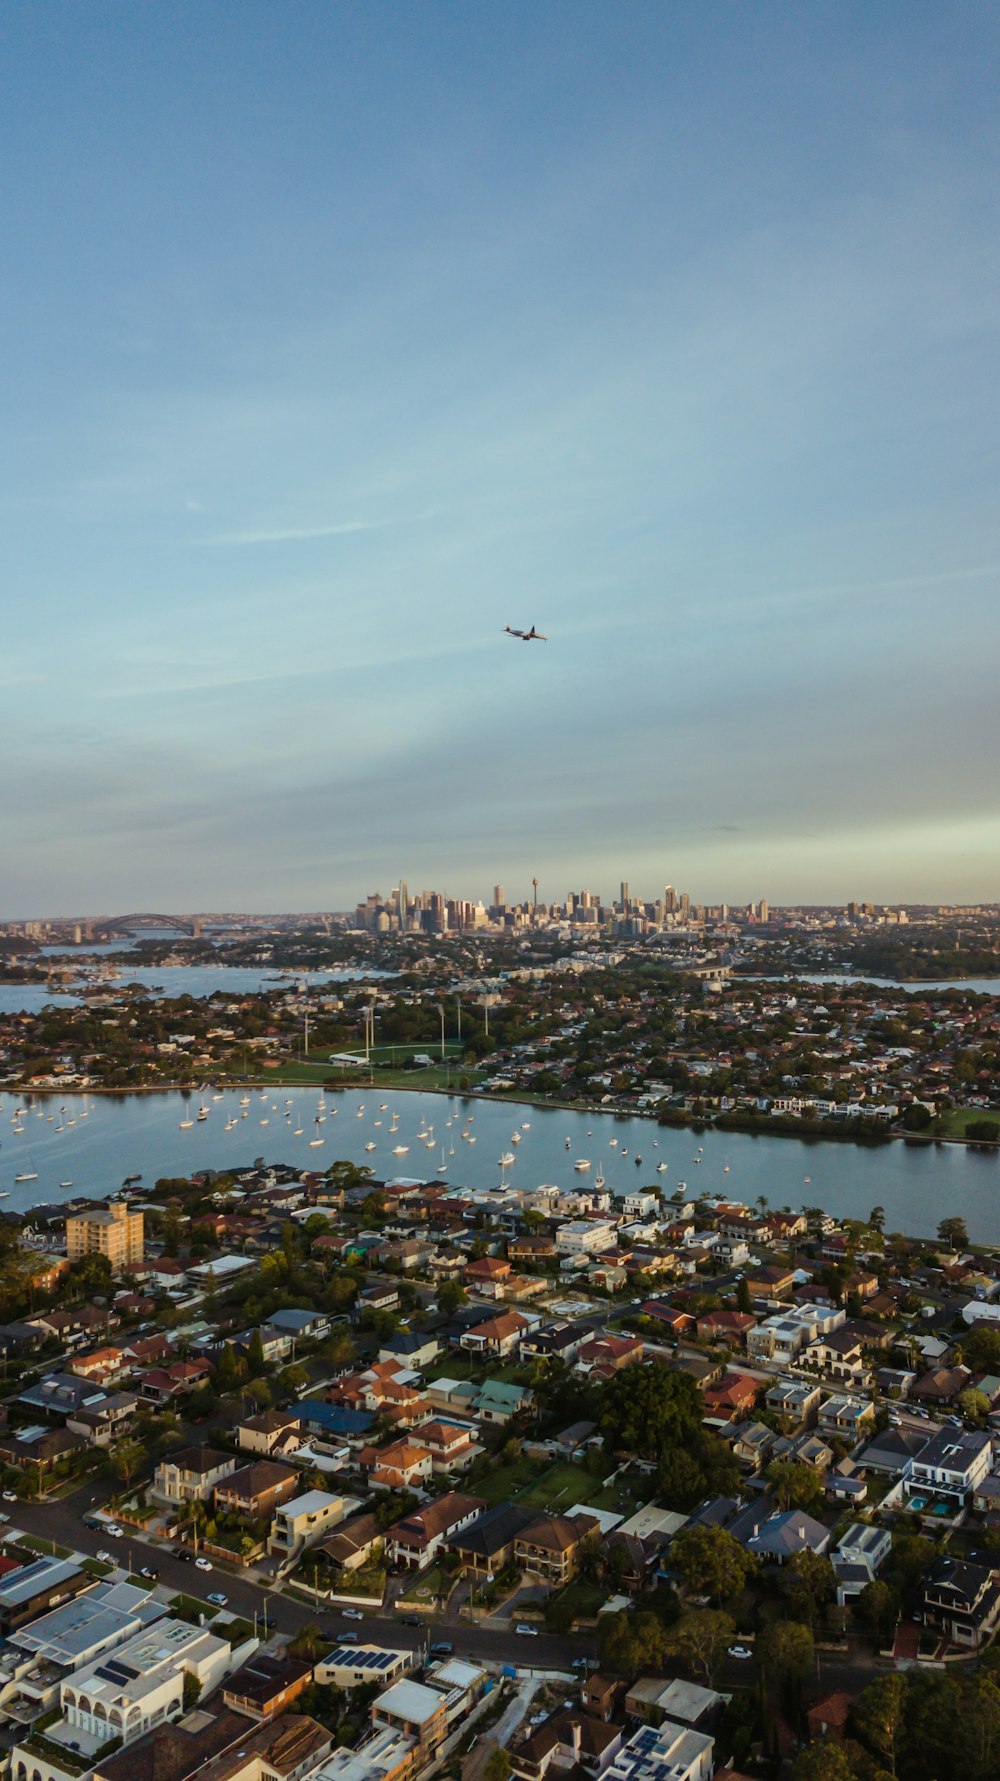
(531, 636)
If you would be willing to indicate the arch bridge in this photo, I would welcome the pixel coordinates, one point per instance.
(130, 924)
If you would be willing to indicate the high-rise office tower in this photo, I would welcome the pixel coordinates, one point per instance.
(670, 899)
(498, 897)
(624, 894)
(763, 912)
(404, 903)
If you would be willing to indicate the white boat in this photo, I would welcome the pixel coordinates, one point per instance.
(314, 1143)
(28, 1175)
(4, 1195)
(244, 1100)
(568, 1143)
(508, 1157)
(266, 1121)
(525, 1125)
(186, 1124)
(472, 1137)
(582, 1164)
(661, 1168)
(371, 1146)
(297, 1133)
(400, 1149)
(65, 1184)
(230, 1123)
(515, 1137)
(599, 1180)
(202, 1115)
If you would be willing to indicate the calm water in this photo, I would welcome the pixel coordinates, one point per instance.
(983, 986)
(122, 1136)
(164, 981)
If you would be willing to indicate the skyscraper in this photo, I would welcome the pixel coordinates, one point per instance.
(498, 896)
(624, 896)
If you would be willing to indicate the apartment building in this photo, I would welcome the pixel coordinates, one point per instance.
(115, 1231)
(300, 1522)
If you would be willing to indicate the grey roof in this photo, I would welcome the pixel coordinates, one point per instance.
(46, 1573)
(297, 1320)
(101, 1616)
(784, 1535)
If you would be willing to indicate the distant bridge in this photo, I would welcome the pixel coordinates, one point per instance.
(129, 924)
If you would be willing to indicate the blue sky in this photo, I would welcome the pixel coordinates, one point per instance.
(336, 337)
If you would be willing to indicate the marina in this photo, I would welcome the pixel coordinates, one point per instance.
(161, 1135)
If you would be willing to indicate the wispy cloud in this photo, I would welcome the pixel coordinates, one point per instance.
(302, 534)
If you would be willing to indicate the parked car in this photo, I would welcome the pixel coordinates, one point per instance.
(218, 1598)
(105, 1558)
(526, 1631)
(204, 1564)
(116, 1533)
(148, 1571)
(443, 1648)
(347, 1638)
(353, 1614)
(10, 1496)
(739, 1651)
(182, 1557)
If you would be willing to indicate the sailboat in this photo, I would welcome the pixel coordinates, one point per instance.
(186, 1124)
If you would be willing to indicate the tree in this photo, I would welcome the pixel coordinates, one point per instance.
(953, 1233)
(256, 1363)
(982, 1350)
(876, 1218)
(785, 1652)
(822, 1762)
(743, 1300)
(681, 1481)
(127, 1460)
(701, 1639)
(497, 1765)
(172, 1228)
(810, 1583)
(650, 1410)
(877, 1608)
(227, 1369)
(795, 1486)
(711, 1562)
(191, 1690)
(633, 1642)
(974, 1405)
(879, 1714)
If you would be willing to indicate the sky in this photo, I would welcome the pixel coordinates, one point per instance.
(337, 337)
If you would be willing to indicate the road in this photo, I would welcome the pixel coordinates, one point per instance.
(62, 1521)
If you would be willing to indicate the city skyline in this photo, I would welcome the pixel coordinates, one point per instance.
(336, 343)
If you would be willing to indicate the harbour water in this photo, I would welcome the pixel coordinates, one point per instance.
(166, 981)
(105, 1138)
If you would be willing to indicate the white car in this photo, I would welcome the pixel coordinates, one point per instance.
(525, 1631)
(218, 1598)
(116, 1533)
(10, 1496)
(105, 1558)
(739, 1651)
(203, 1564)
(353, 1614)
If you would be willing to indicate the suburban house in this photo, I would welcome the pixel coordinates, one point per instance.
(453, 1445)
(487, 1544)
(550, 1546)
(495, 1336)
(859, 1556)
(416, 1540)
(273, 1432)
(497, 1402)
(266, 1684)
(604, 1355)
(963, 1601)
(785, 1534)
(302, 1521)
(953, 1462)
(191, 1475)
(256, 1490)
(398, 1466)
(796, 1401)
